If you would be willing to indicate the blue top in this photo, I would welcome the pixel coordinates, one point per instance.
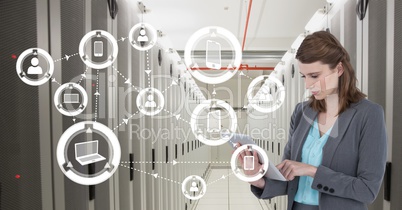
(312, 155)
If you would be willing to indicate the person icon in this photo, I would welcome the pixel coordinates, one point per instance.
(265, 95)
(150, 103)
(34, 69)
(142, 38)
(193, 187)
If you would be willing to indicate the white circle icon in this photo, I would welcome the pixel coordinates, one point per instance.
(267, 97)
(98, 49)
(208, 123)
(87, 152)
(194, 187)
(142, 36)
(41, 66)
(249, 163)
(70, 99)
(216, 48)
(148, 104)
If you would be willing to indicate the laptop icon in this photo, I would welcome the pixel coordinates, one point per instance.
(87, 152)
(71, 98)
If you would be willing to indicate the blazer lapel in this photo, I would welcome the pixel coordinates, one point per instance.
(301, 133)
(336, 135)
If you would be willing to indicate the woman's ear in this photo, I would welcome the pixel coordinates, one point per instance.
(340, 69)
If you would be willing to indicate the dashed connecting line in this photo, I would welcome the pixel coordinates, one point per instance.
(66, 57)
(114, 68)
(126, 79)
(126, 120)
(223, 177)
(175, 162)
(247, 76)
(149, 77)
(167, 88)
(55, 81)
(83, 75)
(168, 112)
(154, 175)
(96, 94)
(177, 116)
(122, 39)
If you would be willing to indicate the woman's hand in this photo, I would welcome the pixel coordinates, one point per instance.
(290, 169)
(258, 167)
(251, 160)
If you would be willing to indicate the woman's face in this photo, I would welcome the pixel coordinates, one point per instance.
(320, 79)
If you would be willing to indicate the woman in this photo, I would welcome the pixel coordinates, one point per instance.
(336, 153)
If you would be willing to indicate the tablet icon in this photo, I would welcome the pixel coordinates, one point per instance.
(213, 55)
(214, 121)
(87, 152)
(98, 48)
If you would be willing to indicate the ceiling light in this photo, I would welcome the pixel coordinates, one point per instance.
(142, 7)
(287, 58)
(160, 33)
(317, 22)
(296, 44)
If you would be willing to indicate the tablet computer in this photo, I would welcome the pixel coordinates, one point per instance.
(273, 172)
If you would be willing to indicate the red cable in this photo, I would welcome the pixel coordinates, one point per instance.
(245, 29)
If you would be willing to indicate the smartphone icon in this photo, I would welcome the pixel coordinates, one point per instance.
(98, 48)
(213, 55)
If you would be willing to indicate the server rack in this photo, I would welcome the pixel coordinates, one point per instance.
(127, 64)
(26, 179)
(396, 100)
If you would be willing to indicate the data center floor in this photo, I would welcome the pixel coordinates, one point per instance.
(228, 194)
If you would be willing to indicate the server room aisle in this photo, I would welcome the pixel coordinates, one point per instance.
(228, 194)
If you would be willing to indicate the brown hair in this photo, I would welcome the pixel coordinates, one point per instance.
(324, 47)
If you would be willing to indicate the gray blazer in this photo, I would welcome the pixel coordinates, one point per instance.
(353, 162)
